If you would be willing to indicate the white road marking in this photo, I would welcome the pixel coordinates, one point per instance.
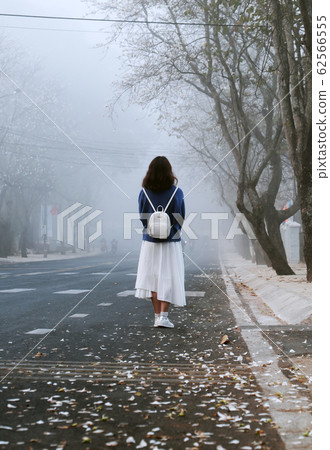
(78, 316)
(32, 273)
(68, 273)
(99, 273)
(125, 293)
(104, 304)
(16, 290)
(195, 293)
(131, 274)
(40, 331)
(73, 291)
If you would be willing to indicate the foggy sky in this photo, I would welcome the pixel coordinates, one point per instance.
(86, 74)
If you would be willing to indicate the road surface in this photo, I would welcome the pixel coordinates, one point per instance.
(83, 367)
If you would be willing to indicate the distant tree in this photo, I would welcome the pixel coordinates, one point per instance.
(25, 181)
(25, 178)
(38, 164)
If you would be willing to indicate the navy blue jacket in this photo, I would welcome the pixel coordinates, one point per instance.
(162, 198)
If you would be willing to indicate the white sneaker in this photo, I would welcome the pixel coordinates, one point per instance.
(165, 322)
(156, 322)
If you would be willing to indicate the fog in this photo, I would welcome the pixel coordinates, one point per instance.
(98, 159)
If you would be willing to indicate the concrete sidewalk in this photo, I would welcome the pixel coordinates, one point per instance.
(289, 296)
(50, 257)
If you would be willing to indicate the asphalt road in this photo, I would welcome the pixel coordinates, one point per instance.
(83, 367)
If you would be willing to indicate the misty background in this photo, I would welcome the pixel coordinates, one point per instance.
(85, 106)
(65, 69)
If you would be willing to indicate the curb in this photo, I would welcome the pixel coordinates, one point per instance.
(278, 293)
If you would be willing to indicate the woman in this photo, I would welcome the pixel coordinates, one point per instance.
(160, 275)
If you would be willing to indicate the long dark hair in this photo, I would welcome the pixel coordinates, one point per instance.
(159, 176)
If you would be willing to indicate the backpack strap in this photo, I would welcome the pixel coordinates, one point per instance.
(168, 204)
(145, 193)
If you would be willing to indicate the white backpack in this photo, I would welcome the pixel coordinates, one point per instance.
(159, 224)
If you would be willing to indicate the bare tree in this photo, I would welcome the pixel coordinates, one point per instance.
(25, 177)
(202, 135)
(226, 65)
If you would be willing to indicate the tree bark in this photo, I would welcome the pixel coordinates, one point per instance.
(273, 230)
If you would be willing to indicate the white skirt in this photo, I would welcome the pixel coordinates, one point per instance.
(161, 270)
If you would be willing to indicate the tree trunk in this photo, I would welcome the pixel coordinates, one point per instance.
(295, 107)
(23, 242)
(305, 193)
(257, 220)
(274, 231)
(278, 261)
(5, 239)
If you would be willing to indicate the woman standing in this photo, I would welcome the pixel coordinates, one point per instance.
(160, 275)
